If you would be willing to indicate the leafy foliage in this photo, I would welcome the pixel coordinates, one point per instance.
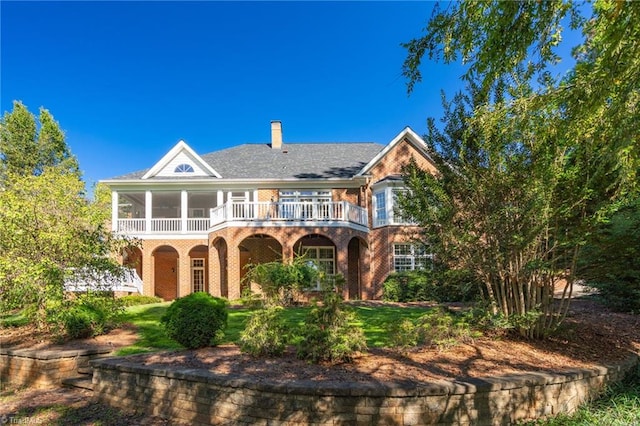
(439, 327)
(529, 162)
(265, 333)
(28, 147)
(610, 262)
(434, 285)
(329, 332)
(282, 281)
(88, 315)
(196, 320)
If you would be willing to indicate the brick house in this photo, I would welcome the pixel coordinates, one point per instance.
(202, 218)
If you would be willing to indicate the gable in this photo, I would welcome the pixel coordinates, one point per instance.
(180, 162)
(397, 153)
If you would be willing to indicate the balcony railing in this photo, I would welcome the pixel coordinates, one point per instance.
(302, 211)
(287, 212)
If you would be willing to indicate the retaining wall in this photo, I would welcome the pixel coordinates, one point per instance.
(43, 368)
(202, 397)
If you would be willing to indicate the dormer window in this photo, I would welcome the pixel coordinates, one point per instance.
(183, 168)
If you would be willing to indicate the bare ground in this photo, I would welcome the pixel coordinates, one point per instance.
(591, 335)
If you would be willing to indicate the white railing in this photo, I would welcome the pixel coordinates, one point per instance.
(166, 225)
(305, 211)
(198, 225)
(130, 225)
(302, 211)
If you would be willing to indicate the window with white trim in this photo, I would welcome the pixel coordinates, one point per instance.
(305, 204)
(183, 168)
(409, 257)
(197, 275)
(324, 258)
(385, 204)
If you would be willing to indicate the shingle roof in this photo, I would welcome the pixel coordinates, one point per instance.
(294, 160)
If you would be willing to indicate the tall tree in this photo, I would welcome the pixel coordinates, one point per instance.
(28, 146)
(529, 162)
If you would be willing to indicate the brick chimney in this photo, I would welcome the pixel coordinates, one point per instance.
(276, 134)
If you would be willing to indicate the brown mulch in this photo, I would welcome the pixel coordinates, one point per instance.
(591, 335)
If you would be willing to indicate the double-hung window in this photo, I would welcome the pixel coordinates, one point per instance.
(409, 257)
(386, 206)
(324, 258)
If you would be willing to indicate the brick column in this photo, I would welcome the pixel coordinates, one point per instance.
(214, 271)
(148, 272)
(184, 274)
(233, 270)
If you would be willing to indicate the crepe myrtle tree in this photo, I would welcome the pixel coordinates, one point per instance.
(529, 163)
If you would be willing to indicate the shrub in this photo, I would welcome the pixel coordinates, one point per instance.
(139, 299)
(328, 333)
(432, 285)
(439, 327)
(250, 299)
(196, 320)
(265, 333)
(610, 262)
(280, 282)
(85, 316)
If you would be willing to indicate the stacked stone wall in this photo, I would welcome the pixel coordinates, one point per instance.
(43, 369)
(200, 397)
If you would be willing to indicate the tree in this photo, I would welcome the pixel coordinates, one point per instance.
(48, 229)
(529, 163)
(27, 146)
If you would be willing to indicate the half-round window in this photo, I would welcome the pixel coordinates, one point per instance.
(184, 168)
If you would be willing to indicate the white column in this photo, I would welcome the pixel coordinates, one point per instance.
(220, 200)
(184, 201)
(255, 203)
(114, 210)
(148, 208)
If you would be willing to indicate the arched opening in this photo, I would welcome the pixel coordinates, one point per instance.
(257, 249)
(199, 268)
(320, 250)
(220, 246)
(132, 258)
(165, 272)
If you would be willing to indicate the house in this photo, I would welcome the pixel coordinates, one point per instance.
(201, 219)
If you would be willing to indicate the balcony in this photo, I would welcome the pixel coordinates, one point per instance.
(339, 213)
(301, 213)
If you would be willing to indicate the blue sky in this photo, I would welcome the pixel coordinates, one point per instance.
(127, 80)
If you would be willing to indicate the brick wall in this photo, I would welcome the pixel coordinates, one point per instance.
(202, 397)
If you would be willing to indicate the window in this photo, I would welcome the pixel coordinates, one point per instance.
(197, 275)
(305, 204)
(183, 168)
(324, 259)
(380, 209)
(409, 257)
(385, 205)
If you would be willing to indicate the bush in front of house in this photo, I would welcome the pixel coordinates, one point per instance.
(430, 285)
(139, 299)
(87, 315)
(329, 332)
(196, 320)
(265, 333)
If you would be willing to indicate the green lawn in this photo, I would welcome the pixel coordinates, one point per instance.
(374, 321)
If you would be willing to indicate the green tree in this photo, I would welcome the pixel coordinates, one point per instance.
(48, 229)
(28, 146)
(529, 163)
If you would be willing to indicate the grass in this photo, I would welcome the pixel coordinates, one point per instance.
(374, 321)
(619, 406)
